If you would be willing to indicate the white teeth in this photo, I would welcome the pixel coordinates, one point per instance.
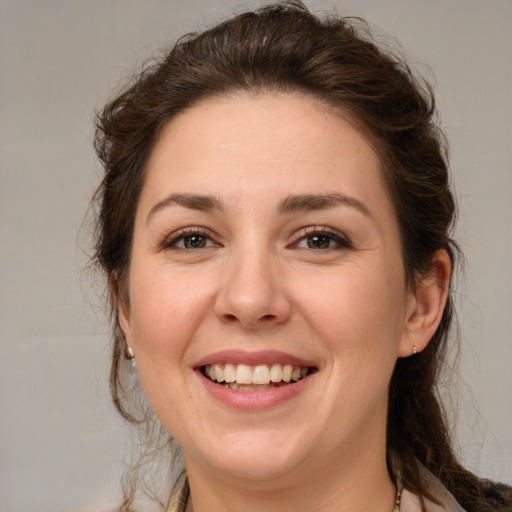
(249, 387)
(287, 372)
(218, 373)
(242, 374)
(276, 373)
(261, 374)
(229, 372)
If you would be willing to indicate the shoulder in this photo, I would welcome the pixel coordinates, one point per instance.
(179, 495)
(499, 496)
(411, 502)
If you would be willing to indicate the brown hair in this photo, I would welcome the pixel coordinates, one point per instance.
(284, 48)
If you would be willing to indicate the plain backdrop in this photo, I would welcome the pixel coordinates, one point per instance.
(61, 444)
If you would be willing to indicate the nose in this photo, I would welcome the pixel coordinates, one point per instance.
(252, 293)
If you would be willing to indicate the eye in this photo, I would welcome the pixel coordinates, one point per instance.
(194, 241)
(319, 242)
(322, 239)
(189, 239)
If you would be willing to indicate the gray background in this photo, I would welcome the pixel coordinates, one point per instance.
(61, 444)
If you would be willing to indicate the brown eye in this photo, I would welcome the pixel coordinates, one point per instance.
(322, 239)
(319, 242)
(194, 242)
(189, 239)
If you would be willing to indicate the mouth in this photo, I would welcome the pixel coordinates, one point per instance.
(250, 378)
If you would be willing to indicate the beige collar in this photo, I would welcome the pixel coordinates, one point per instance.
(411, 503)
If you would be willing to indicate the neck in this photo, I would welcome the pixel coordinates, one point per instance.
(331, 485)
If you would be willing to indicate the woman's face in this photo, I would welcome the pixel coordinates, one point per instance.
(265, 244)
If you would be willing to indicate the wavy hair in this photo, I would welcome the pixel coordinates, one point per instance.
(285, 48)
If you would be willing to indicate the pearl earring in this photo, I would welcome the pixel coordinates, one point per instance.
(129, 355)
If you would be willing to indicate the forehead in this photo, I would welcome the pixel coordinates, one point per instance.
(257, 144)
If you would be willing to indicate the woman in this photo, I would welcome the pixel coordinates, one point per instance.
(275, 225)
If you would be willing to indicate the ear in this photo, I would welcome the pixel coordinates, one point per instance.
(122, 307)
(426, 304)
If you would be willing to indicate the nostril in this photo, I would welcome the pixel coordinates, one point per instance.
(229, 317)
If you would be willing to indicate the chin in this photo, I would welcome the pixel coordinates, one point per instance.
(255, 457)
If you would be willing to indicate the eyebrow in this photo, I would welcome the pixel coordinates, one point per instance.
(291, 204)
(199, 202)
(309, 202)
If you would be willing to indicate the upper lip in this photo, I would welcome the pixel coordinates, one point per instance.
(253, 358)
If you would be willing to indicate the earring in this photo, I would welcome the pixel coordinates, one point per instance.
(414, 350)
(129, 355)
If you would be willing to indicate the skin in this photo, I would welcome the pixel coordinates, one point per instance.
(259, 283)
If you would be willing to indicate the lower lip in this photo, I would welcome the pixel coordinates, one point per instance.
(254, 400)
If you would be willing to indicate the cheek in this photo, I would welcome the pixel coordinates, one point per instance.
(354, 313)
(165, 314)
(353, 303)
(165, 311)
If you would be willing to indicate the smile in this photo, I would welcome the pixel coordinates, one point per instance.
(260, 377)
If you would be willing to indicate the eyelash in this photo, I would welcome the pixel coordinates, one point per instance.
(303, 235)
(182, 234)
(330, 234)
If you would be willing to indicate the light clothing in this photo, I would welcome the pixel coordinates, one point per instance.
(411, 503)
(179, 495)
